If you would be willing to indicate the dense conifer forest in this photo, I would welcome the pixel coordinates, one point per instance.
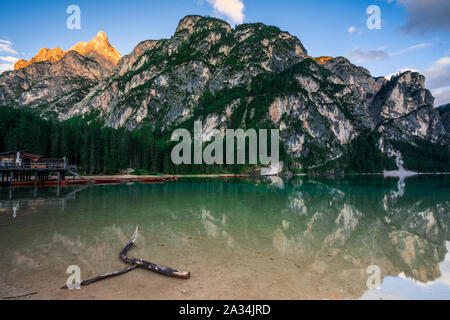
(96, 149)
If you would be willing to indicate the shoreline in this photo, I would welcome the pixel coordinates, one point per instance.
(127, 178)
(134, 177)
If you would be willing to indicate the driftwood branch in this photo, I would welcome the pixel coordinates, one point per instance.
(148, 265)
(21, 296)
(104, 276)
(135, 263)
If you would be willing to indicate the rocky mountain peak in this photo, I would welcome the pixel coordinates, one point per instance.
(98, 48)
(193, 24)
(45, 54)
(99, 44)
(188, 23)
(101, 37)
(405, 100)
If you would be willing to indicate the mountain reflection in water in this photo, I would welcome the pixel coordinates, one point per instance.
(299, 238)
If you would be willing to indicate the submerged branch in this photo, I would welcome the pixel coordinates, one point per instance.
(148, 265)
(21, 296)
(104, 276)
(136, 263)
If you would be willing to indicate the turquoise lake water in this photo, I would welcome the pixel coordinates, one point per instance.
(303, 238)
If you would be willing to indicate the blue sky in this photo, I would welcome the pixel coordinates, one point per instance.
(414, 34)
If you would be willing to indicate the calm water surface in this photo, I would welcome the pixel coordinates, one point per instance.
(302, 238)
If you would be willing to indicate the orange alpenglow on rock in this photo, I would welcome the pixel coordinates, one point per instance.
(44, 54)
(99, 45)
(322, 60)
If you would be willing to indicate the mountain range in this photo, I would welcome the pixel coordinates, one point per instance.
(98, 48)
(250, 76)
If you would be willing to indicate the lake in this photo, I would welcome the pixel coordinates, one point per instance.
(300, 238)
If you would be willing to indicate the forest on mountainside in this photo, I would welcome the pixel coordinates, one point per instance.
(97, 149)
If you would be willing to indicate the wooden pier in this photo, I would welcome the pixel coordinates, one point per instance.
(24, 168)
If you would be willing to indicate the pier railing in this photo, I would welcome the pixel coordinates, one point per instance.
(37, 165)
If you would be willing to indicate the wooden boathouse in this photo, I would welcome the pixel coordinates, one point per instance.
(24, 166)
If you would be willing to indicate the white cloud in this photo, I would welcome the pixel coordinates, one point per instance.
(6, 67)
(413, 48)
(442, 62)
(359, 56)
(438, 80)
(423, 16)
(9, 59)
(442, 96)
(233, 9)
(389, 76)
(351, 29)
(6, 46)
